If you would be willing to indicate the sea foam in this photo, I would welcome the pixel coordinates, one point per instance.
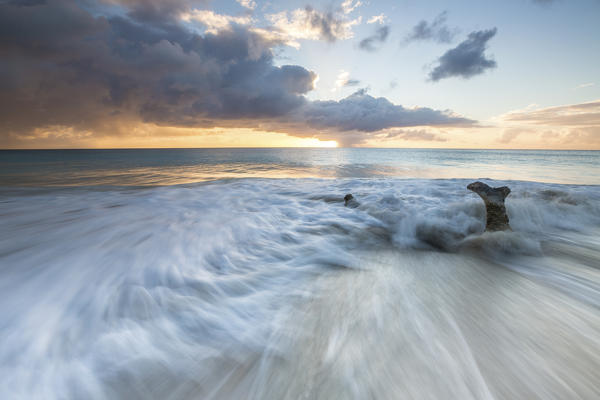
(271, 288)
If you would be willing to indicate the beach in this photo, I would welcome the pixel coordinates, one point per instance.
(270, 288)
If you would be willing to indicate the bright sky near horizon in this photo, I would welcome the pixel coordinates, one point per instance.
(253, 73)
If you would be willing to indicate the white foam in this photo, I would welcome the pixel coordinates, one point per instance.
(124, 293)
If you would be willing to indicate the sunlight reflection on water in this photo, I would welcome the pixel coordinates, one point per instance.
(150, 167)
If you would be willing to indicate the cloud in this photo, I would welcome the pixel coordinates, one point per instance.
(365, 113)
(575, 126)
(416, 135)
(142, 10)
(379, 19)
(511, 134)
(343, 80)
(285, 27)
(467, 59)
(350, 5)
(583, 138)
(70, 70)
(78, 70)
(310, 24)
(584, 85)
(359, 118)
(437, 31)
(572, 115)
(249, 4)
(550, 135)
(215, 22)
(372, 43)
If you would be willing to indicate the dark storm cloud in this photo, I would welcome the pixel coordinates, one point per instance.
(24, 3)
(158, 10)
(360, 117)
(437, 31)
(67, 67)
(365, 113)
(467, 59)
(73, 65)
(371, 43)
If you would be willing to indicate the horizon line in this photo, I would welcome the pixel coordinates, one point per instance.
(287, 148)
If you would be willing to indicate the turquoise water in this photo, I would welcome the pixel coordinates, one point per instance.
(176, 166)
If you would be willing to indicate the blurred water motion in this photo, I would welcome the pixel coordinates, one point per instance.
(272, 289)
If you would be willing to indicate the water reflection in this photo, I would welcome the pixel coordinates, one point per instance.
(181, 166)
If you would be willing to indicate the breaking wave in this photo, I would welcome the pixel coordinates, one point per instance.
(271, 288)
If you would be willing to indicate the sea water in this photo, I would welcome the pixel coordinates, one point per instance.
(239, 274)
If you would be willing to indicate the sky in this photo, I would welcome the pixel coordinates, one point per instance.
(254, 73)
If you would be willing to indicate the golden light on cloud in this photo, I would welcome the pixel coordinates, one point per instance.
(214, 22)
(152, 136)
(228, 137)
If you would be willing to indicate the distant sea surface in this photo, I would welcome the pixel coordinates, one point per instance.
(149, 167)
(240, 274)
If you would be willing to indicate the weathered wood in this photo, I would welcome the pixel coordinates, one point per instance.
(496, 218)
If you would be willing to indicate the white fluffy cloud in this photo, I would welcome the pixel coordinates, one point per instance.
(350, 5)
(249, 4)
(377, 19)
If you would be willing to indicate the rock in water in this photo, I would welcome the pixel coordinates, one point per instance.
(349, 201)
(496, 218)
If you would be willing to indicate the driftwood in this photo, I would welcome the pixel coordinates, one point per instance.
(496, 218)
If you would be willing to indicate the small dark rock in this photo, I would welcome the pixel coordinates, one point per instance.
(496, 218)
(349, 201)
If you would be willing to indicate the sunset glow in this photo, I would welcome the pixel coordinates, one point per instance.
(299, 199)
(188, 73)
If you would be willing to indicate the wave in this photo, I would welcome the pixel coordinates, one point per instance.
(254, 288)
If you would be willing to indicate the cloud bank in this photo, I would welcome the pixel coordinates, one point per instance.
(467, 59)
(571, 115)
(365, 113)
(84, 68)
(575, 126)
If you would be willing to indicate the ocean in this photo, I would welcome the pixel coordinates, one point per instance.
(240, 274)
(155, 167)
